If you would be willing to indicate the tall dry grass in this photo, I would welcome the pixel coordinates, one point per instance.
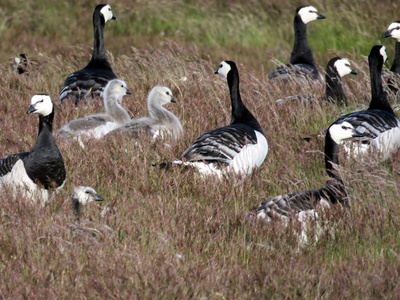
(172, 234)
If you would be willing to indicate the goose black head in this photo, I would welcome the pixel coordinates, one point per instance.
(342, 66)
(393, 31)
(105, 11)
(343, 131)
(41, 104)
(378, 55)
(308, 14)
(225, 67)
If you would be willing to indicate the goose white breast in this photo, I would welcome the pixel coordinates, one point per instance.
(92, 79)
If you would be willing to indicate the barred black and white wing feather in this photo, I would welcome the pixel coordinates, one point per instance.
(8, 162)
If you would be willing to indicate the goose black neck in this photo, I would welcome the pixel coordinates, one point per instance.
(99, 53)
(240, 113)
(46, 122)
(333, 89)
(396, 62)
(301, 53)
(331, 156)
(378, 96)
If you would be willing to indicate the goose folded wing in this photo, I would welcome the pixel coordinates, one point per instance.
(8, 162)
(221, 144)
(371, 123)
(87, 80)
(289, 70)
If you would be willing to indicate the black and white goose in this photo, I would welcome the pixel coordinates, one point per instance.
(83, 195)
(41, 169)
(302, 204)
(393, 32)
(96, 126)
(378, 124)
(161, 121)
(92, 79)
(239, 147)
(336, 69)
(301, 63)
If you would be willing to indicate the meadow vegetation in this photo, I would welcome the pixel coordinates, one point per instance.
(173, 234)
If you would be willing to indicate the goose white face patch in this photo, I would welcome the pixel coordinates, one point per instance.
(308, 14)
(224, 69)
(107, 13)
(342, 66)
(383, 53)
(342, 131)
(394, 29)
(86, 194)
(42, 104)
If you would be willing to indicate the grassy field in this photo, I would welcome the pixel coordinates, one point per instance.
(173, 234)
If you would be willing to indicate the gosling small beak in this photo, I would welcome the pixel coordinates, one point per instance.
(98, 198)
(173, 100)
(128, 92)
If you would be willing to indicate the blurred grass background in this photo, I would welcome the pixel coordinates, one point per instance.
(174, 235)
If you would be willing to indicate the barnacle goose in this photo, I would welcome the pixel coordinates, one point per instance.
(239, 147)
(336, 69)
(41, 169)
(92, 79)
(161, 121)
(302, 204)
(83, 195)
(393, 32)
(378, 124)
(301, 61)
(97, 126)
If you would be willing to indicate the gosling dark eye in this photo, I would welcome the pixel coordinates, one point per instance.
(87, 192)
(122, 86)
(167, 93)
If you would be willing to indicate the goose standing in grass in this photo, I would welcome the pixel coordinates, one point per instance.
(302, 204)
(92, 79)
(41, 169)
(301, 61)
(336, 69)
(239, 147)
(83, 195)
(393, 32)
(96, 126)
(160, 122)
(378, 124)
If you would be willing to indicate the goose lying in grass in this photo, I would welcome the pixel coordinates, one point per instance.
(378, 124)
(92, 79)
(83, 195)
(301, 63)
(393, 32)
(335, 70)
(96, 126)
(41, 169)
(302, 204)
(160, 122)
(239, 147)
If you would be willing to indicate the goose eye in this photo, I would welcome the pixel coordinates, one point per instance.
(167, 93)
(109, 9)
(220, 65)
(122, 85)
(87, 192)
